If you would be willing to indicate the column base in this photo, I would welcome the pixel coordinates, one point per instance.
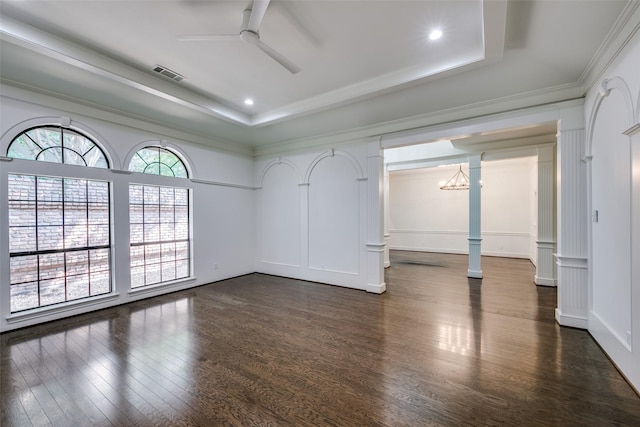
(573, 292)
(544, 281)
(474, 274)
(571, 321)
(376, 289)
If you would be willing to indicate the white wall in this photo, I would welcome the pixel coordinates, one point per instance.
(222, 209)
(424, 218)
(280, 216)
(334, 232)
(613, 140)
(311, 216)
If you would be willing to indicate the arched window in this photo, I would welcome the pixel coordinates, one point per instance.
(159, 216)
(57, 144)
(158, 161)
(59, 226)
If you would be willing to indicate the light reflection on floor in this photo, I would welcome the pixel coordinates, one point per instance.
(458, 339)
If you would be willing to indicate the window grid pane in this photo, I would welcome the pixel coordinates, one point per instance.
(57, 253)
(57, 144)
(160, 241)
(158, 161)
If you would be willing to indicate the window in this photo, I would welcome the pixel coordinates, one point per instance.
(158, 161)
(159, 221)
(60, 221)
(58, 240)
(160, 244)
(58, 145)
(59, 227)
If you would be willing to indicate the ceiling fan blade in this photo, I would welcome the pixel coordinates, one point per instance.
(258, 9)
(208, 37)
(293, 68)
(252, 18)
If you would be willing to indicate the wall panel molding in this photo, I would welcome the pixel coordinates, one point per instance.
(281, 264)
(606, 86)
(224, 184)
(280, 161)
(459, 232)
(331, 153)
(572, 262)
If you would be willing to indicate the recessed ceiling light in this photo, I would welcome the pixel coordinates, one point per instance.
(248, 101)
(435, 35)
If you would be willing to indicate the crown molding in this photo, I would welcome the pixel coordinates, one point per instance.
(73, 54)
(73, 106)
(564, 96)
(624, 29)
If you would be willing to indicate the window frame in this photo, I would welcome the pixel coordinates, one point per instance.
(119, 179)
(38, 253)
(62, 146)
(189, 239)
(48, 169)
(161, 149)
(148, 178)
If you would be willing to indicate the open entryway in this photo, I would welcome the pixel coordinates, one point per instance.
(511, 215)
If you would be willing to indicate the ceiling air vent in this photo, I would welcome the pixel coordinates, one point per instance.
(168, 73)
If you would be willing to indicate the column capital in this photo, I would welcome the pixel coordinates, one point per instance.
(475, 161)
(545, 152)
(374, 147)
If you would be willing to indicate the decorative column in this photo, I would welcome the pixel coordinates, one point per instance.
(304, 224)
(375, 218)
(634, 134)
(572, 261)
(545, 268)
(387, 235)
(475, 239)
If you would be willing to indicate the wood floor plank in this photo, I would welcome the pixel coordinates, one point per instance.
(59, 382)
(102, 383)
(436, 349)
(15, 401)
(82, 385)
(36, 378)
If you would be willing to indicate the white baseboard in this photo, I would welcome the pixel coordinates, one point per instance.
(571, 321)
(376, 289)
(618, 350)
(600, 327)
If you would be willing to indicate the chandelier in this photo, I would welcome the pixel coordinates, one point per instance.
(459, 181)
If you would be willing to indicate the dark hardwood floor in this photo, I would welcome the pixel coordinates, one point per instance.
(436, 349)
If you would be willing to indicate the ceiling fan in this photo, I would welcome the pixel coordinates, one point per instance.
(251, 20)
